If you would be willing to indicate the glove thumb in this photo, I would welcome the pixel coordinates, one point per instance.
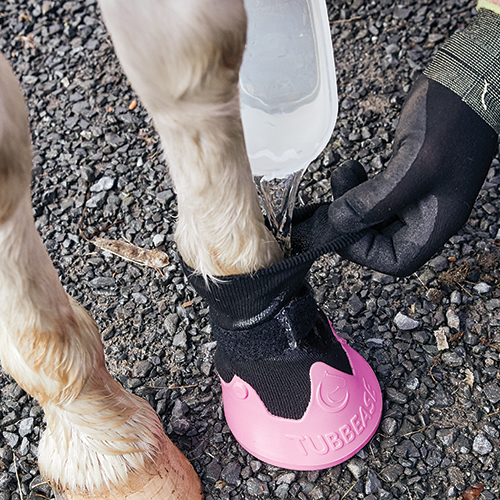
(311, 225)
(346, 176)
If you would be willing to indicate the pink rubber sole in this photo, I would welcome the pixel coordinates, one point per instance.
(342, 416)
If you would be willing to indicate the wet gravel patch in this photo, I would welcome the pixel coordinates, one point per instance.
(433, 338)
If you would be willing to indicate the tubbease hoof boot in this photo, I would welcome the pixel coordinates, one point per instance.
(295, 394)
(342, 414)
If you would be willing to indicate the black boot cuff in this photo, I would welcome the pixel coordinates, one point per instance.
(245, 300)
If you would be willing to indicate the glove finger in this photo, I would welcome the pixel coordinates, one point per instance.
(410, 239)
(399, 184)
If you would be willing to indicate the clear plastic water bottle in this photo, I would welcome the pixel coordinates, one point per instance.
(288, 87)
(288, 96)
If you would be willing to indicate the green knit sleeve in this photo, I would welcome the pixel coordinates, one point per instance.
(469, 65)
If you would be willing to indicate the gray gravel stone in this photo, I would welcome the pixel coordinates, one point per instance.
(492, 392)
(180, 340)
(24, 447)
(462, 445)
(491, 431)
(439, 263)
(357, 467)
(282, 491)
(389, 426)
(170, 323)
(452, 358)
(212, 471)
(434, 457)
(256, 465)
(231, 472)
(257, 488)
(396, 396)
(447, 436)
(317, 493)
(355, 305)
(103, 282)
(8, 419)
(140, 298)
(7, 481)
(404, 322)
(158, 239)
(493, 304)
(286, 478)
(165, 196)
(103, 184)
(481, 445)
(452, 319)
(373, 483)
(383, 279)
(406, 449)
(427, 276)
(482, 288)
(26, 426)
(39, 484)
(143, 369)
(97, 201)
(444, 399)
(180, 409)
(11, 439)
(413, 384)
(391, 473)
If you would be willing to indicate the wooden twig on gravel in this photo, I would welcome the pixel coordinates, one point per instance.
(17, 476)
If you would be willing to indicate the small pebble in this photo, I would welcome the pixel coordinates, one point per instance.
(403, 322)
(231, 472)
(257, 488)
(373, 483)
(441, 335)
(26, 426)
(103, 184)
(389, 426)
(446, 436)
(357, 467)
(391, 473)
(481, 445)
(452, 319)
(492, 392)
(11, 439)
(482, 288)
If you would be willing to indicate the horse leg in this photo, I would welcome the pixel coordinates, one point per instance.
(100, 442)
(183, 60)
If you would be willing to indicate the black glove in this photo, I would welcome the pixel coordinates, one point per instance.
(442, 151)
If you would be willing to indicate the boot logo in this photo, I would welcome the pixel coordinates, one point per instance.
(332, 394)
(240, 390)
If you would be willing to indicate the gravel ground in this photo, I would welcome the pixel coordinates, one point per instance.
(433, 338)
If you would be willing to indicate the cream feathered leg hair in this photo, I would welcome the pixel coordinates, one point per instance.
(101, 442)
(183, 58)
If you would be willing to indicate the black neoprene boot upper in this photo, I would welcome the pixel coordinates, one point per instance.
(271, 347)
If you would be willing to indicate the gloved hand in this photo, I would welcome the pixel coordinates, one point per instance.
(443, 148)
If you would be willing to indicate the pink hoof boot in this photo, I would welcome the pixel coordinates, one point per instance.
(342, 416)
(295, 395)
